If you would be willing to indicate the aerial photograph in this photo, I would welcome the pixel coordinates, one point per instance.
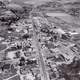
(39, 39)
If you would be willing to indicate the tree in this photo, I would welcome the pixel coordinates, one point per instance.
(74, 12)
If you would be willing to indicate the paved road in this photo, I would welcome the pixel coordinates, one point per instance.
(43, 72)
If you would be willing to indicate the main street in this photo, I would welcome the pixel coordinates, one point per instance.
(43, 71)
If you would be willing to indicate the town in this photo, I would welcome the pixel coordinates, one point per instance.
(40, 40)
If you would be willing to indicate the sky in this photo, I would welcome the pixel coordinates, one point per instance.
(39, 1)
(30, 1)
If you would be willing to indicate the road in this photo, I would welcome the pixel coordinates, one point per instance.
(43, 72)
